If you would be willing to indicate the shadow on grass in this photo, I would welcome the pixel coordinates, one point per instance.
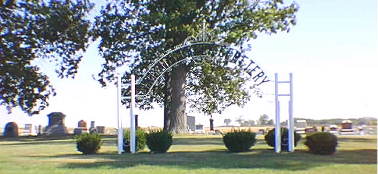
(356, 139)
(216, 158)
(42, 140)
(220, 159)
(197, 141)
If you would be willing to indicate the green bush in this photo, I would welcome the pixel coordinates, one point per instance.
(239, 140)
(88, 143)
(270, 138)
(140, 138)
(159, 141)
(323, 143)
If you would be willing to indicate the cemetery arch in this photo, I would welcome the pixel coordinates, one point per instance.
(193, 49)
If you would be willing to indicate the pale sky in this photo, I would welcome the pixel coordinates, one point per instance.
(332, 53)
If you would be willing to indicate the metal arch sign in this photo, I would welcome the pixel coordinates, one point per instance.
(187, 53)
(165, 62)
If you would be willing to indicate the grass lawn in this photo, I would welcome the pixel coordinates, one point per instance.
(189, 154)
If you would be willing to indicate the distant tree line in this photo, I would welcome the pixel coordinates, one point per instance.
(370, 121)
(264, 120)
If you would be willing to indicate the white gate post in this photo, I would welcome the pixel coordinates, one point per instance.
(291, 119)
(120, 129)
(277, 133)
(290, 122)
(132, 116)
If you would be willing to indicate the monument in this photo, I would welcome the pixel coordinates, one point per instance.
(56, 124)
(92, 129)
(11, 130)
(81, 127)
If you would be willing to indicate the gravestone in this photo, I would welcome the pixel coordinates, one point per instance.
(82, 124)
(56, 124)
(39, 130)
(191, 123)
(100, 129)
(11, 130)
(211, 124)
(81, 127)
(28, 130)
(92, 129)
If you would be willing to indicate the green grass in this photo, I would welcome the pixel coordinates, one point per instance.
(188, 154)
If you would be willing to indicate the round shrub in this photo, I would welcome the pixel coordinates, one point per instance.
(159, 141)
(239, 140)
(88, 143)
(323, 143)
(270, 138)
(140, 138)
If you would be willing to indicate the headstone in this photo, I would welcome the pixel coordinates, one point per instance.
(39, 131)
(56, 124)
(82, 124)
(100, 129)
(191, 123)
(11, 130)
(211, 124)
(92, 129)
(81, 128)
(28, 130)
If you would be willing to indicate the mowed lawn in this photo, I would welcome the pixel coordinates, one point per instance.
(188, 154)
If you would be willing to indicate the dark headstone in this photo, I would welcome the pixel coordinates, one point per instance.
(11, 130)
(56, 124)
(82, 124)
(211, 124)
(100, 129)
(191, 123)
(39, 131)
(78, 131)
(92, 129)
(28, 130)
(92, 124)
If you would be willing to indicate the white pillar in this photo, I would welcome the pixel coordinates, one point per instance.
(277, 132)
(119, 104)
(291, 118)
(132, 116)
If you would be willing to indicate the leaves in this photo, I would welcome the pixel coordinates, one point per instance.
(136, 33)
(53, 30)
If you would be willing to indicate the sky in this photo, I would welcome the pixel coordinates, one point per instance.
(332, 53)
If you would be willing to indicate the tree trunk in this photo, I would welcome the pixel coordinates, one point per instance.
(174, 107)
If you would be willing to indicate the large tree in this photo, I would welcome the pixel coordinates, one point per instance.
(133, 32)
(53, 30)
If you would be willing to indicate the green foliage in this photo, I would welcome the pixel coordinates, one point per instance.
(88, 143)
(323, 143)
(239, 140)
(136, 33)
(56, 31)
(140, 138)
(270, 138)
(159, 141)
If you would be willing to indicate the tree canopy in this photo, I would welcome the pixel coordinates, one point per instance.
(133, 32)
(54, 30)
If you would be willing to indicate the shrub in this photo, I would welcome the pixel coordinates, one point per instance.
(323, 143)
(270, 138)
(140, 138)
(239, 140)
(88, 143)
(159, 141)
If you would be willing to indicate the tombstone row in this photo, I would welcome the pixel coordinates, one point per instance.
(55, 127)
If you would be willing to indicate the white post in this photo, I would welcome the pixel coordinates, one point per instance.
(277, 132)
(132, 116)
(291, 119)
(120, 129)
